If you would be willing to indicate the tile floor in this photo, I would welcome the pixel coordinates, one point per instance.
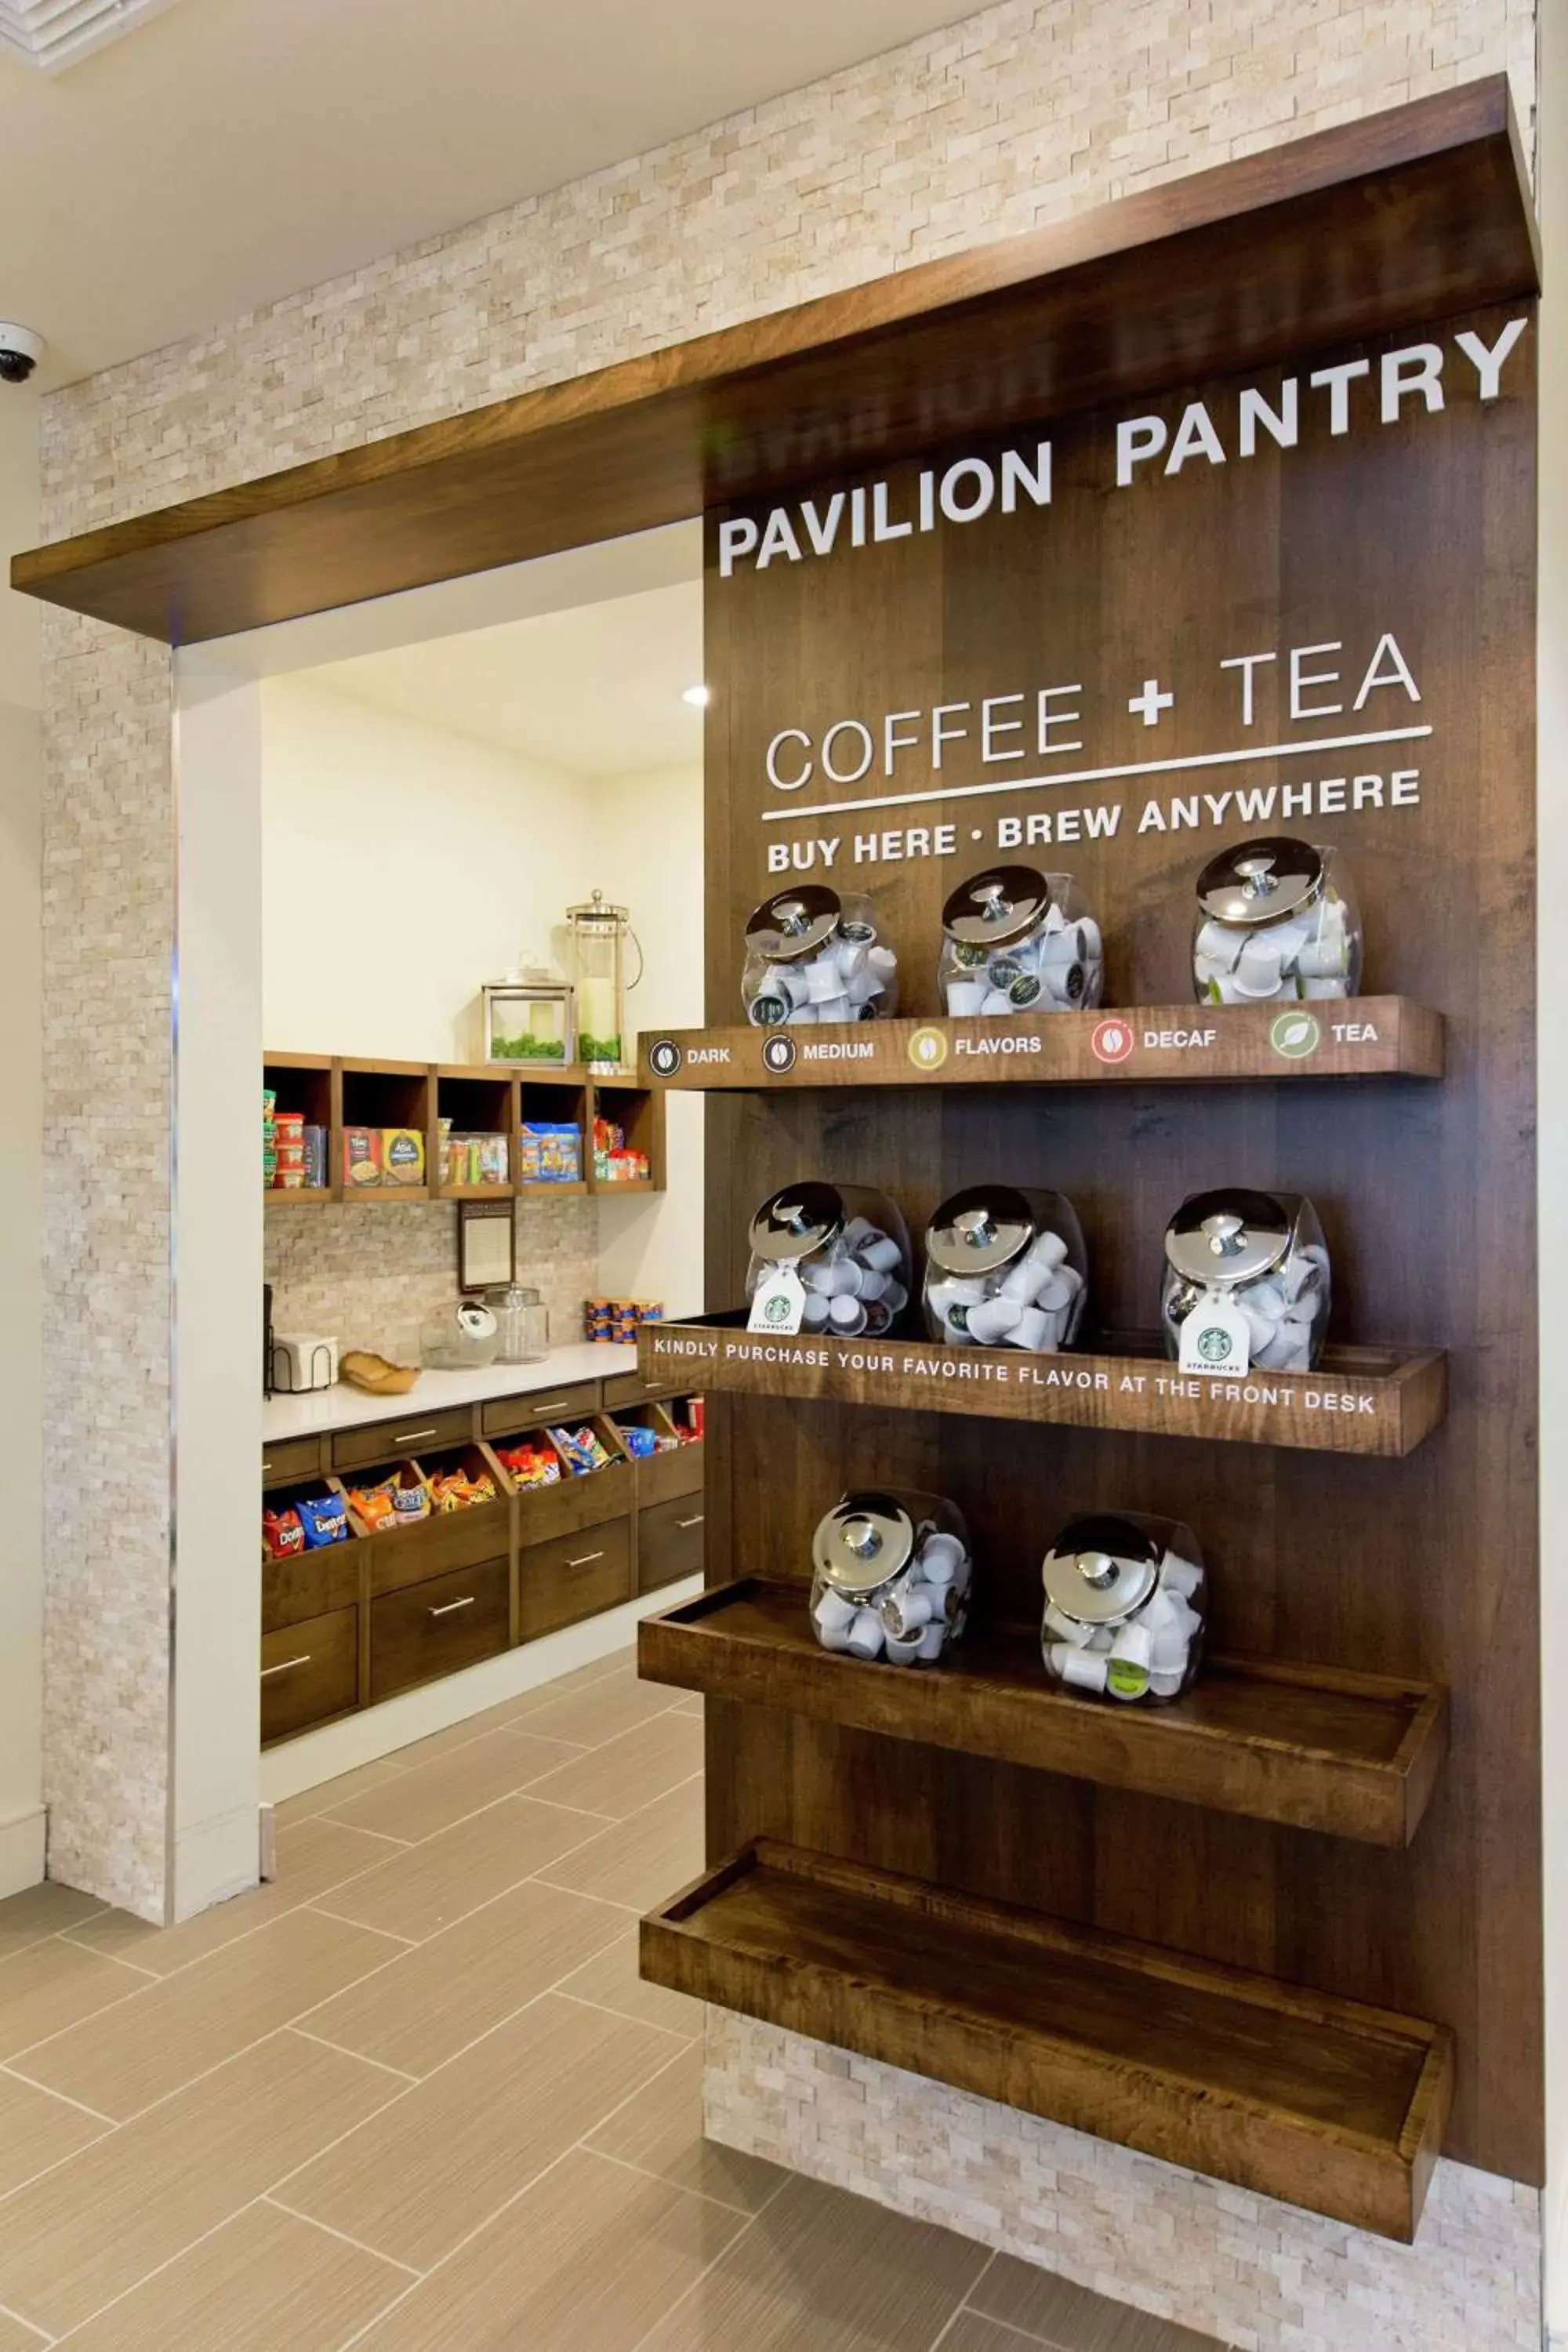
(413, 2097)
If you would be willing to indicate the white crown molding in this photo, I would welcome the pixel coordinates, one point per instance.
(54, 34)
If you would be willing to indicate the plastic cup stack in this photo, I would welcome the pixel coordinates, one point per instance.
(1307, 955)
(1030, 1306)
(1059, 969)
(911, 1621)
(857, 1286)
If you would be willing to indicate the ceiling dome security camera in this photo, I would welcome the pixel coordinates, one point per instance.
(20, 351)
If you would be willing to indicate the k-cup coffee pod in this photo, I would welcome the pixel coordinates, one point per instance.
(814, 1247)
(1274, 921)
(1124, 1615)
(1247, 1284)
(814, 957)
(1004, 1268)
(890, 1575)
(1016, 940)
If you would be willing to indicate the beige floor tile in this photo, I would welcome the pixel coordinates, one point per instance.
(585, 2261)
(970, 2333)
(820, 2271)
(313, 1857)
(37, 2130)
(329, 1794)
(96, 2226)
(14, 2337)
(52, 1985)
(659, 2130)
(39, 1911)
(1070, 2318)
(456, 1734)
(417, 2179)
(264, 2281)
(432, 1797)
(426, 1888)
(437, 1999)
(620, 1664)
(628, 1772)
(178, 2027)
(604, 1710)
(612, 1981)
(644, 1858)
(693, 1704)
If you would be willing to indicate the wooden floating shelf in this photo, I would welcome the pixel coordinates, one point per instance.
(299, 1196)
(1351, 1755)
(1326, 2103)
(1351, 1037)
(1364, 1401)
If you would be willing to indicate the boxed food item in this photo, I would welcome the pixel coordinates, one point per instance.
(362, 1157)
(401, 1156)
(551, 1152)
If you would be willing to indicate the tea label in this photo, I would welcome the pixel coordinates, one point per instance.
(1214, 1336)
(779, 1303)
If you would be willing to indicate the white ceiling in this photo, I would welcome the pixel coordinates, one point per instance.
(228, 152)
(596, 690)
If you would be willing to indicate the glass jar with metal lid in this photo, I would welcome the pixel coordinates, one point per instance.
(1006, 1268)
(1262, 1253)
(891, 1576)
(850, 1247)
(1274, 921)
(1125, 1602)
(813, 956)
(1017, 941)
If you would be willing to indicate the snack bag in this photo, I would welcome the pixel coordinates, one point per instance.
(283, 1534)
(373, 1506)
(454, 1490)
(580, 1449)
(324, 1519)
(638, 1442)
(532, 1466)
(410, 1499)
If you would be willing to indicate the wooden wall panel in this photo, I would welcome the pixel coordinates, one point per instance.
(1425, 1566)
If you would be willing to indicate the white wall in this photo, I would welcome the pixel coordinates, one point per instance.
(1552, 1133)
(21, 1305)
(402, 867)
(645, 853)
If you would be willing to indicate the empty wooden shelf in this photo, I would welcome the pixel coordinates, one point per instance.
(1354, 1755)
(1324, 2103)
(1364, 1401)
(1135, 1044)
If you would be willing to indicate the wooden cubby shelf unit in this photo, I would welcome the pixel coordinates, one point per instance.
(1135, 1044)
(1322, 2102)
(1363, 1400)
(302, 1082)
(1354, 1756)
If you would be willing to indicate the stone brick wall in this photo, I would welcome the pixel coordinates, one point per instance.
(1027, 111)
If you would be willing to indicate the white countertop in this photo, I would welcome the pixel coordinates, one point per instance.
(345, 1408)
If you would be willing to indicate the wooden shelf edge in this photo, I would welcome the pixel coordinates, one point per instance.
(299, 1196)
(1323, 2103)
(990, 1697)
(1377, 1402)
(538, 1185)
(475, 1193)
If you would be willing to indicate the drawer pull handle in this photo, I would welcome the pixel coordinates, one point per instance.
(266, 1469)
(555, 1404)
(586, 1560)
(412, 1437)
(697, 1522)
(286, 1666)
(448, 1608)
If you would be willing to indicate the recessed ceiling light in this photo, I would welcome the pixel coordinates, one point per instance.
(54, 34)
(699, 696)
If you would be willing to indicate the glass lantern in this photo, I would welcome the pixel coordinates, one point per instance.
(528, 1020)
(599, 934)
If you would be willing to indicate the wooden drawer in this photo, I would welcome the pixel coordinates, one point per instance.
(669, 1542)
(310, 1584)
(546, 1512)
(631, 1387)
(576, 1576)
(308, 1674)
(661, 1478)
(431, 1629)
(292, 1458)
(389, 1441)
(506, 1416)
(400, 1557)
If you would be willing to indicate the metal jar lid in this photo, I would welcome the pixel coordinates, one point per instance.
(1101, 1569)
(1229, 1236)
(978, 1231)
(1003, 904)
(797, 1221)
(796, 924)
(865, 1541)
(1261, 881)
